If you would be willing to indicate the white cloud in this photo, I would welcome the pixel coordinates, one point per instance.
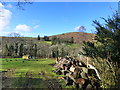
(77, 28)
(22, 27)
(5, 16)
(1, 6)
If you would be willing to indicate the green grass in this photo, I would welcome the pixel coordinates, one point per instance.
(28, 66)
(33, 66)
(46, 42)
(73, 45)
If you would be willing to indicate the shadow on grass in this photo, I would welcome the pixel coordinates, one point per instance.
(26, 82)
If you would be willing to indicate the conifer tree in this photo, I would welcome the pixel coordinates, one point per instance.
(106, 44)
(38, 37)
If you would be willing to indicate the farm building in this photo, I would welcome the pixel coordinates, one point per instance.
(27, 57)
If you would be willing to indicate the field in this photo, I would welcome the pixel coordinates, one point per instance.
(34, 73)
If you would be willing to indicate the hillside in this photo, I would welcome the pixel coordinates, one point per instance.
(12, 44)
(77, 36)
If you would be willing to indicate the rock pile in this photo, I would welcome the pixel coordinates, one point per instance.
(77, 73)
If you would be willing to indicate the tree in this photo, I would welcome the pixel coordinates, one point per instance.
(55, 52)
(106, 44)
(11, 50)
(13, 34)
(80, 29)
(16, 49)
(72, 40)
(107, 40)
(7, 50)
(20, 4)
(21, 49)
(46, 38)
(63, 53)
(35, 50)
(38, 37)
(55, 40)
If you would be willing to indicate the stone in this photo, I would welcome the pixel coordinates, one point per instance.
(72, 69)
(76, 73)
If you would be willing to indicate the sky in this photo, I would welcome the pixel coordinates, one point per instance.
(51, 18)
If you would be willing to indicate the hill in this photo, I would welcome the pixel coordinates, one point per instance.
(78, 37)
(12, 46)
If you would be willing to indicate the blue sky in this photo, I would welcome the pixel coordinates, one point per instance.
(51, 18)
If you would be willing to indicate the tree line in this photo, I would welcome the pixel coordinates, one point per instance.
(40, 49)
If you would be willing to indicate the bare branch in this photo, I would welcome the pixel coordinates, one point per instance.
(13, 34)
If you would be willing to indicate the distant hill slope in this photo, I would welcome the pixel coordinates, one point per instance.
(6, 42)
(78, 37)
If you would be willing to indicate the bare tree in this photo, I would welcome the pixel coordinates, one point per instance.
(13, 34)
(20, 4)
(81, 29)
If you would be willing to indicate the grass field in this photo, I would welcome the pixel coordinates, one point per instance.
(35, 73)
(24, 66)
